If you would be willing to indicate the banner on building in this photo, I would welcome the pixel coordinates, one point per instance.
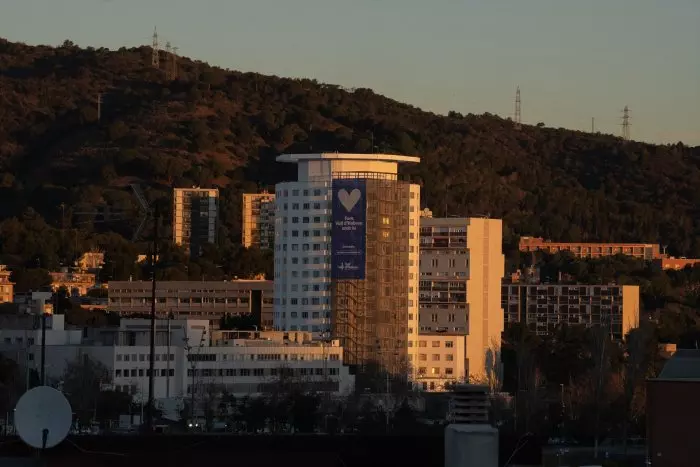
(348, 231)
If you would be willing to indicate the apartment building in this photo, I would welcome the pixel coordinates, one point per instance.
(461, 269)
(439, 361)
(91, 261)
(195, 217)
(258, 228)
(646, 251)
(77, 283)
(543, 307)
(362, 286)
(7, 287)
(210, 300)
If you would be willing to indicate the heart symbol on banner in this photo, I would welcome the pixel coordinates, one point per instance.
(349, 200)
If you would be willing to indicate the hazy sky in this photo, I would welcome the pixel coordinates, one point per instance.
(573, 59)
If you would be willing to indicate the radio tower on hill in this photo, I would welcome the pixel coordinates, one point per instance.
(518, 115)
(155, 58)
(626, 124)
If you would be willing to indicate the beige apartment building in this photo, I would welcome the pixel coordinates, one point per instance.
(210, 300)
(7, 287)
(195, 217)
(77, 283)
(646, 251)
(544, 307)
(439, 361)
(258, 228)
(461, 269)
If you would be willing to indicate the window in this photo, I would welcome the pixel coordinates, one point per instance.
(436, 344)
(436, 357)
(449, 344)
(448, 371)
(422, 357)
(422, 344)
(449, 357)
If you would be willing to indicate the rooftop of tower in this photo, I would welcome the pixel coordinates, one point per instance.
(330, 156)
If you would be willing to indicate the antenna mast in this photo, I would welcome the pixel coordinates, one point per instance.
(155, 59)
(626, 123)
(518, 113)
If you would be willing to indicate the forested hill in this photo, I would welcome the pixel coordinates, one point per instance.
(224, 128)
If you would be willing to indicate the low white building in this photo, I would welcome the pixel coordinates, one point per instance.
(188, 354)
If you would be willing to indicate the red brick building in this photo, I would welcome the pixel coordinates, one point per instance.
(673, 412)
(646, 251)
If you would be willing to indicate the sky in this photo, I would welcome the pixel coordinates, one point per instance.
(574, 60)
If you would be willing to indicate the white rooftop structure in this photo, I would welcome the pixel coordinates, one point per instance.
(324, 165)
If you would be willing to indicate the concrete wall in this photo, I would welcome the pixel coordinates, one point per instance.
(673, 411)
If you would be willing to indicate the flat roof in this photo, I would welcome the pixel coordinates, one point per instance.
(296, 158)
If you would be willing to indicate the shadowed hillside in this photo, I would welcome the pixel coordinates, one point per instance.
(224, 128)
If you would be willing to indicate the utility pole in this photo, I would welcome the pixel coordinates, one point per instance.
(592, 124)
(167, 365)
(151, 364)
(43, 348)
(518, 109)
(155, 58)
(168, 61)
(99, 106)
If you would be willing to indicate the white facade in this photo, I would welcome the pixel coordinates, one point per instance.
(187, 353)
(34, 303)
(303, 243)
(302, 295)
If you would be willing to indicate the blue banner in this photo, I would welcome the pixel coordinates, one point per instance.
(348, 232)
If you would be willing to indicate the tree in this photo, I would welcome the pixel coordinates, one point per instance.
(254, 412)
(404, 419)
(635, 370)
(82, 382)
(303, 411)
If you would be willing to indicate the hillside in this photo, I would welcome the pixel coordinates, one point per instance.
(224, 128)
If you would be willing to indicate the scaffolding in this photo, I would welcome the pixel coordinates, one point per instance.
(370, 315)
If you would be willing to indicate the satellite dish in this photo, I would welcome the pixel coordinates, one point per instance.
(43, 417)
